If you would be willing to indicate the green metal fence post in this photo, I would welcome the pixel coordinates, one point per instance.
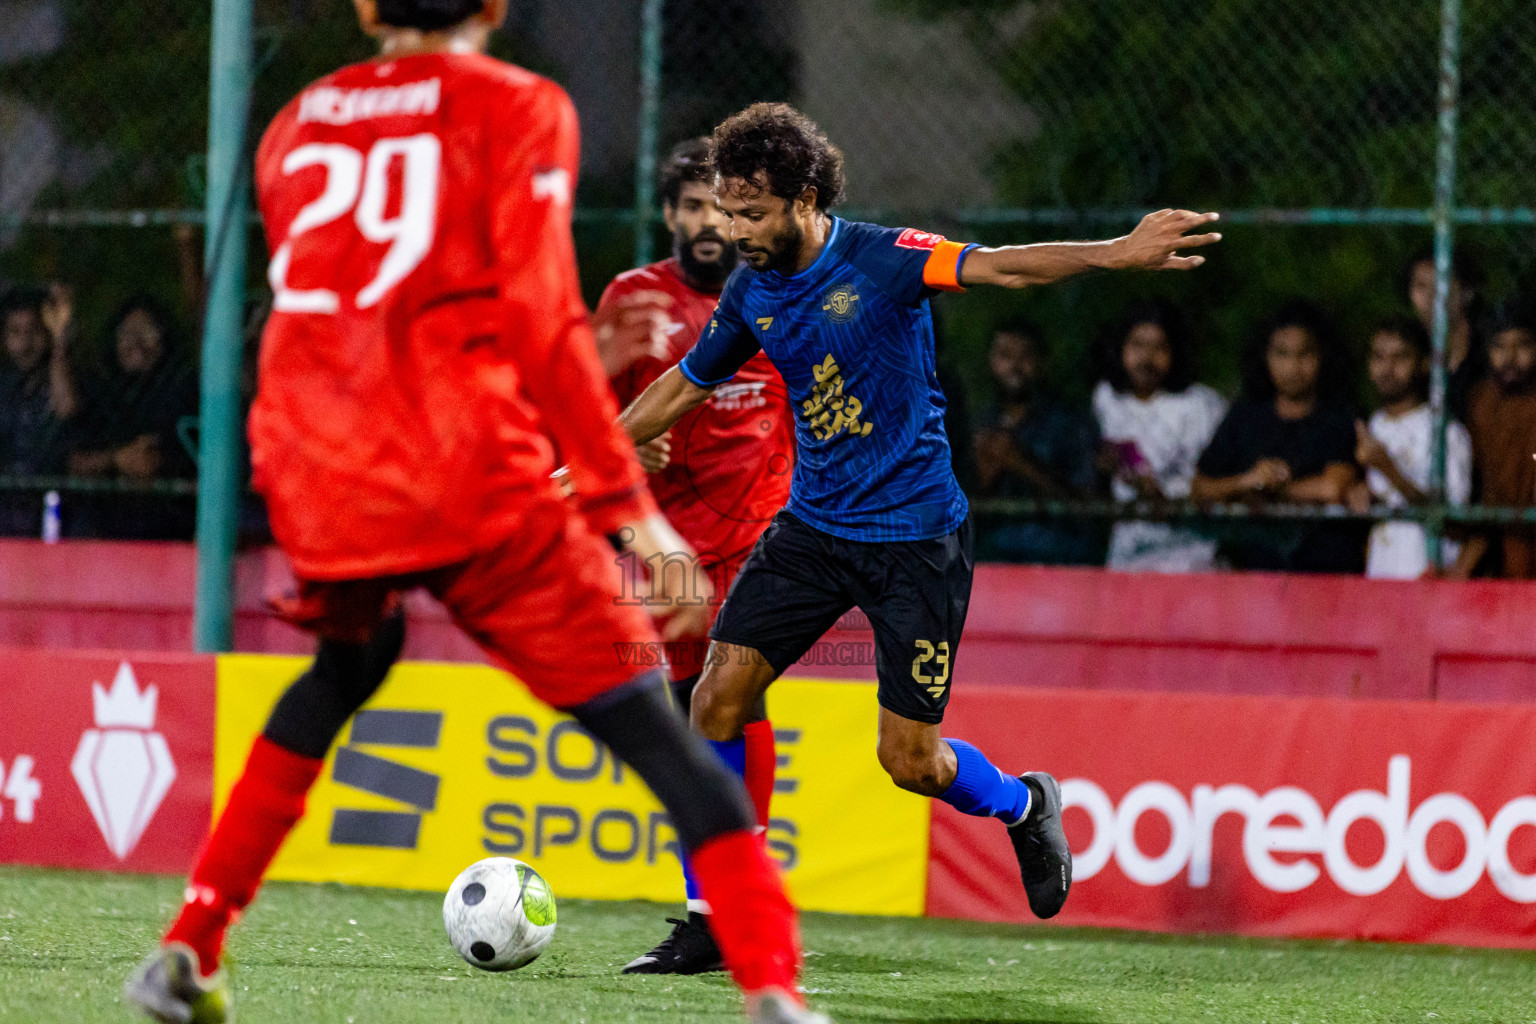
(650, 114)
(218, 500)
(1445, 196)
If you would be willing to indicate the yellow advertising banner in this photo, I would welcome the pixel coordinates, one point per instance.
(452, 763)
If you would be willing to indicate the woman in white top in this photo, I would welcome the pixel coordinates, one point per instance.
(1156, 421)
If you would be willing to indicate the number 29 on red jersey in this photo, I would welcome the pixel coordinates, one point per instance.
(391, 195)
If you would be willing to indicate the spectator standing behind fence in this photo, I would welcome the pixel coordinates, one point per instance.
(1502, 420)
(1033, 445)
(130, 427)
(1155, 421)
(38, 398)
(1396, 450)
(1465, 358)
(1289, 438)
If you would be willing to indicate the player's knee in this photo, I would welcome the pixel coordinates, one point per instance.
(703, 796)
(341, 679)
(716, 713)
(915, 771)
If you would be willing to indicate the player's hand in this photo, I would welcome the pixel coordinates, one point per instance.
(1156, 242)
(562, 479)
(681, 592)
(656, 454)
(630, 329)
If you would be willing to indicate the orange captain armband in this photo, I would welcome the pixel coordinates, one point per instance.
(942, 271)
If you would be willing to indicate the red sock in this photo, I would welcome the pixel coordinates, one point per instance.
(753, 920)
(263, 808)
(762, 760)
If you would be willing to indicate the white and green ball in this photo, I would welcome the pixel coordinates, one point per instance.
(500, 914)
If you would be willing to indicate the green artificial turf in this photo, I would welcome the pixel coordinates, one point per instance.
(310, 954)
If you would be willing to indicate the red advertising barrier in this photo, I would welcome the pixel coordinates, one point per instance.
(1262, 816)
(106, 761)
(1250, 633)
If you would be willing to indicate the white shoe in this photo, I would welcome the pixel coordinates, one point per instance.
(777, 1007)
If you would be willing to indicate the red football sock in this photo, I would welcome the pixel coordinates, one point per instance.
(265, 804)
(762, 760)
(753, 920)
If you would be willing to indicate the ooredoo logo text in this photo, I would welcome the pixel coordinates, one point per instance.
(1289, 820)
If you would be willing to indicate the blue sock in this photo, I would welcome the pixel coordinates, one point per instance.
(981, 790)
(734, 754)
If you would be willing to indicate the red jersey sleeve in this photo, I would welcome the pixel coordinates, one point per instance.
(551, 344)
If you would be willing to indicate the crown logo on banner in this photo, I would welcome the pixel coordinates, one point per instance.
(124, 706)
(123, 766)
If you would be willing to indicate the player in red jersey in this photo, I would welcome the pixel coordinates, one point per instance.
(428, 345)
(719, 476)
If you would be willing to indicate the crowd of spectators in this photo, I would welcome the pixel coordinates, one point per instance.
(1294, 435)
(126, 420)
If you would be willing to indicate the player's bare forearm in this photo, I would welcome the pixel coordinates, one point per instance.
(1154, 245)
(659, 406)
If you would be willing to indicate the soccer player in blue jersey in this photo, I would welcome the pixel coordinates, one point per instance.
(875, 518)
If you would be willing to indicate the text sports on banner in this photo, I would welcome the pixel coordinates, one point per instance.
(451, 763)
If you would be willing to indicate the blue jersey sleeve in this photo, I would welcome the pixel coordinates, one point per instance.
(726, 343)
(907, 264)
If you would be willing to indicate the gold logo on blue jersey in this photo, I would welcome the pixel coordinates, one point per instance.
(841, 304)
(765, 322)
(829, 412)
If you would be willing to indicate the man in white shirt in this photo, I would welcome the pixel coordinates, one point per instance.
(1395, 451)
(1156, 422)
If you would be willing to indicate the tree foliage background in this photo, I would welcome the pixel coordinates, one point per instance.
(1250, 105)
(1133, 104)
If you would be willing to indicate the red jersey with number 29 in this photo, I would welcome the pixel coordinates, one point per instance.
(428, 340)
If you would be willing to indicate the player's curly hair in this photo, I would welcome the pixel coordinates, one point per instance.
(428, 15)
(688, 163)
(775, 147)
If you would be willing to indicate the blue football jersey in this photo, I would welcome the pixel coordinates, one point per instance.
(852, 336)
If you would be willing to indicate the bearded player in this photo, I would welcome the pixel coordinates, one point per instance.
(719, 475)
(875, 519)
(428, 345)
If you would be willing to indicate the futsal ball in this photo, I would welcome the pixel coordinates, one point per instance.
(500, 914)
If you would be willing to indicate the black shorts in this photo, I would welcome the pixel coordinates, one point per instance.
(799, 581)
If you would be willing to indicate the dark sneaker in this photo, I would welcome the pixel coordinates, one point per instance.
(690, 949)
(1040, 843)
(776, 1007)
(167, 987)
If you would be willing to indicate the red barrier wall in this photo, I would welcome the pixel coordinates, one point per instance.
(1061, 628)
(106, 761)
(1264, 816)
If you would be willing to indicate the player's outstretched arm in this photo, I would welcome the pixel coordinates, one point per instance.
(659, 406)
(1154, 245)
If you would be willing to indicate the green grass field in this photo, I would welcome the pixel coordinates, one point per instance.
(311, 954)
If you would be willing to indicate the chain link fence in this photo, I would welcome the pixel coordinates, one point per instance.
(1312, 126)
